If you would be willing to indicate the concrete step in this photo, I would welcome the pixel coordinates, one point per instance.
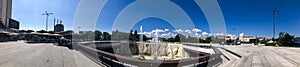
(230, 60)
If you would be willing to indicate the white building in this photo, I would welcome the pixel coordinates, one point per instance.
(247, 38)
(241, 36)
(244, 38)
(5, 13)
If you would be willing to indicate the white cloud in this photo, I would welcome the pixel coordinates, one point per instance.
(178, 31)
(149, 33)
(232, 36)
(158, 30)
(145, 33)
(188, 31)
(196, 30)
(166, 30)
(218, 34)
(167, 35)
(204, 33)
(196, 34)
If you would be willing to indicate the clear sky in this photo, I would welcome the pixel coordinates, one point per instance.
(248, 16)
(29, 13)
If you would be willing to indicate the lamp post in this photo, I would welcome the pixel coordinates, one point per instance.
(234, 29)
(47, 15)
(274, 22)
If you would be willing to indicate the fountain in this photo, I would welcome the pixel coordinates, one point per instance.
(156, 50)
(153, 53)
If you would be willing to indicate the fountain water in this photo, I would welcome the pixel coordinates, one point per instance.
(156, 50)
(141, 35)
(155, 46)
(141, 48)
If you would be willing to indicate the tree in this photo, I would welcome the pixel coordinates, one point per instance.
(145, 38)
(106, 36)
(252, 40)
(131, 37)
(285, 39)
(116, 35)
(98, 35)
(29, 31)
(135, 35)
(208, 40)
(229, 41)
(180, 38)
(42, 31)
(263, 41)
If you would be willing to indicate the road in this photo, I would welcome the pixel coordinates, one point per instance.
(21, 54)
(262, 56)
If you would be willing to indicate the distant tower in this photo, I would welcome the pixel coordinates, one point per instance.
(59, 27)
(5, 13)
(54, 24)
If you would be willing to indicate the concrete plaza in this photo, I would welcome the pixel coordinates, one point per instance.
(261, 56)
(21, 54)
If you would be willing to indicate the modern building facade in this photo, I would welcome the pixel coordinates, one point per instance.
(5, 13)
(14, 24)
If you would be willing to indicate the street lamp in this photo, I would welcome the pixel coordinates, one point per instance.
(47, 15)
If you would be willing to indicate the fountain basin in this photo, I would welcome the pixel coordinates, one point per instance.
(115, 58)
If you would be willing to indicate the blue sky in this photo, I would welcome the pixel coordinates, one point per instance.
(248, 16)
(29, 13)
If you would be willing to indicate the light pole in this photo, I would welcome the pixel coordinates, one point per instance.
(233, 29)
(274, 22)
(47, 15)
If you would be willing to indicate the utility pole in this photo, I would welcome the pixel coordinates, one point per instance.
(274, 17)
(47, 15)
(274, 22)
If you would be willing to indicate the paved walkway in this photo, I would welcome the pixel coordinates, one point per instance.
(21, 54)
(206, 50)
(264, 56)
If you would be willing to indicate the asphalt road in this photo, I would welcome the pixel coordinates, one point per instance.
(21, 54)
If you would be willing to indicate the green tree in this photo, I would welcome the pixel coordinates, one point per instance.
(98, 35)
(42, 31)
(263, 41)
(208, 40)
(136, 36)
(285, 39)
(106, 36)
(131, 36)
(180, 38)
(145, 38)
(229, 41)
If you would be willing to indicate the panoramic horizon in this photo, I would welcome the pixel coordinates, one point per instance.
(250, 17)
(149, 33)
